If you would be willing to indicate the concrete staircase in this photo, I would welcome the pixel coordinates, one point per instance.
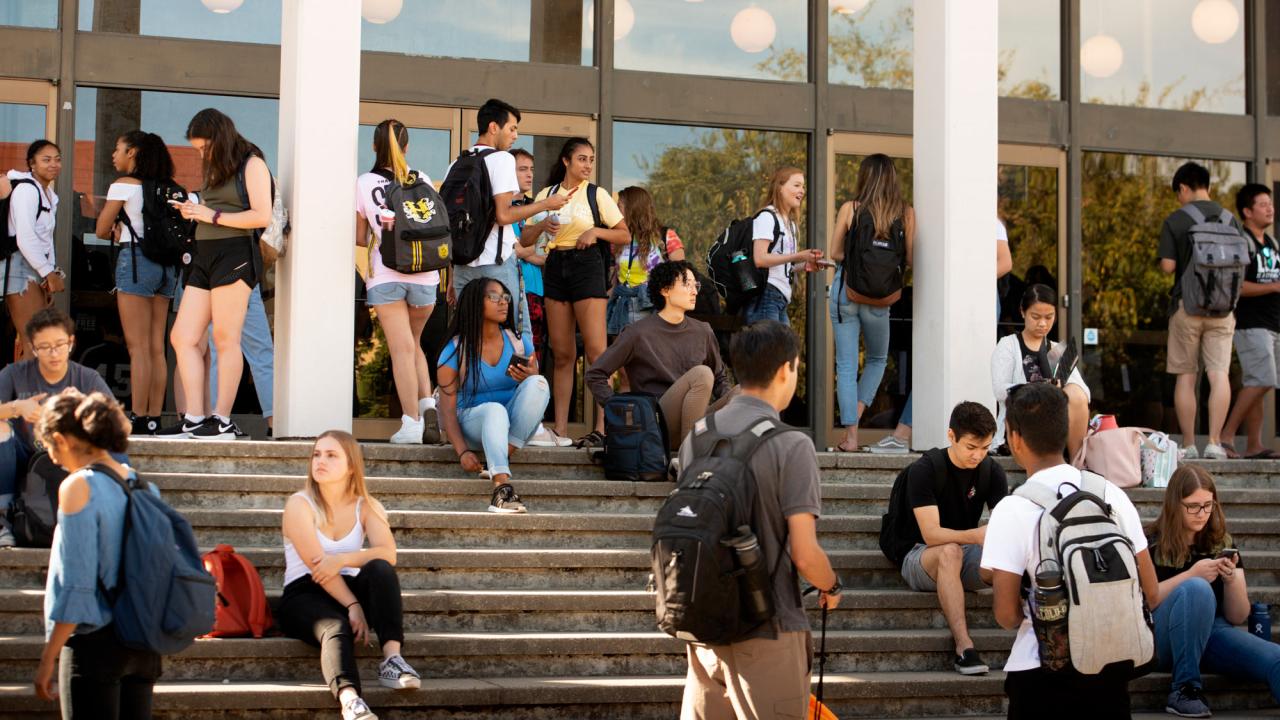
(545, 615)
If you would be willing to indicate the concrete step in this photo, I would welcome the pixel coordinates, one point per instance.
(850, 695)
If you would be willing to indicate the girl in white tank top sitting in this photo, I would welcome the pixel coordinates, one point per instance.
(335, 589)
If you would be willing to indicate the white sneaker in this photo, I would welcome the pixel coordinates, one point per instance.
(1189, 452)
(1214, 452)
(357, 709)
(546, 437)
(410, 432)
(6, 538)
(397, 674)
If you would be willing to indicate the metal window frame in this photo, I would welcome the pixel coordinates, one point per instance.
(67, 57)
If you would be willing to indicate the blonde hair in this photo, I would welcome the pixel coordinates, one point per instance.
(356, 488)
(642, 219)
(390, 138)
(878, 192)
(773, 194)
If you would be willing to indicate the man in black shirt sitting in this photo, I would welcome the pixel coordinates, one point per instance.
(931, 530)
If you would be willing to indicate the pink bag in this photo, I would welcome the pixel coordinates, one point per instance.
(1115, 455)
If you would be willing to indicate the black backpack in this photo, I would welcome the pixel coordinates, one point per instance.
(33, 514)
(468, 203)
(419, 240)
(702, 593)
(874, 267)
(731, 262)
(636, 446)
(10, 244)
(896, 523)
(167, 239)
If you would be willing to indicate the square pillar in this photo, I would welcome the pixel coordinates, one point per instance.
(315, 286)
(955, 151)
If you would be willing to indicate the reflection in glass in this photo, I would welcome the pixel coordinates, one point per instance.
(1273, 65)
(764, 40)
(256, 21)
(29, 13)
(19, 125)
(428, 151)
(1173, 54)
(1126, 296)
(547, 31)
(870, 45)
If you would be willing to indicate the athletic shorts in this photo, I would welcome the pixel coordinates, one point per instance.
(919, 580)
(1258, 349)
(573, 275)
(222, 262)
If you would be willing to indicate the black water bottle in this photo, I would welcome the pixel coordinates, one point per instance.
(757, 596)
(1049, 616)
(744, 270)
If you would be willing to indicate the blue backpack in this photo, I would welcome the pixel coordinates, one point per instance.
(164, 598)
(635, 441)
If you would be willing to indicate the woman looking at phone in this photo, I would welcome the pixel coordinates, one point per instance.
(1203, 594)
(491, 395)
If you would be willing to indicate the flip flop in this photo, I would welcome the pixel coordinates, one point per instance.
(842, 448)
(1232, 453)
(592, 439)
(1263, 455)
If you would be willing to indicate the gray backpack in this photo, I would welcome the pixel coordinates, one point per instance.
(1213, 278)
(1106, 618)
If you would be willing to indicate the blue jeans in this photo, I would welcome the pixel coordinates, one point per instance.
(769, 305)
(1190, 635)
(259, 353)
(14, 455)
(849, 320)
(492, 426)
(508, 273)
(906, 413)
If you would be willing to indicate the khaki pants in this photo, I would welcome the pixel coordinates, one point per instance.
(688, 400)
(754, 679)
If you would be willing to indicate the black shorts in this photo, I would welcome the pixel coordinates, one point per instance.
(573, 275)
(222, 262)
(1068, 695)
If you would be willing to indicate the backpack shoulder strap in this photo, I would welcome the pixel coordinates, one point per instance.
(1046, 498)
(594, 203)
(1196, 215)
(983, 486)
(939, 464)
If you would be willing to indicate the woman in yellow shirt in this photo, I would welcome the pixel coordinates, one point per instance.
(576, 274)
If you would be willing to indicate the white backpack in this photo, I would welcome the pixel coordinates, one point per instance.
(1106, 618)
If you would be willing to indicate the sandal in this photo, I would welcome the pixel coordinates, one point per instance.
(593, 439)
(1230, 450)
(1263, 455)
(854, 449)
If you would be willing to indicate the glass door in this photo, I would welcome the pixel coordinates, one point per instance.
(1031, 188)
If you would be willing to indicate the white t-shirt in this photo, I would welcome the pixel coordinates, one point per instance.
(35, 236)
(1002, 235)
(501, 166)
(1012, 545)
(371, 196)
(779, 275)
(131, 195)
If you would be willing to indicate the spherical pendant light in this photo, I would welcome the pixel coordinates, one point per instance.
(1215, 21)
(1101, 56)
(847, 7)
(222, 7)
(624, 18)
(753, 29)
(380, 12)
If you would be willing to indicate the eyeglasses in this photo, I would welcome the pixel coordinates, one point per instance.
(494, 297)
(694, 286)
(1194, 509)
(55, 349)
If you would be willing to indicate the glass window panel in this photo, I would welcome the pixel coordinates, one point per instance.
(428, 151)
(549, 31)
(1173, 54)
(254, 21)
(29, 13)
(702, 178)
(1273, 65)
(1126, 199)
(870, 45)
(767, 39)
(19, 126)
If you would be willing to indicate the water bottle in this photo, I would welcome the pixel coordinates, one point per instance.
(754, 584)
(1049, 616)
(1260, 621)
(744, 269)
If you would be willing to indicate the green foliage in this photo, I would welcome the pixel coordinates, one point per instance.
(373, 373)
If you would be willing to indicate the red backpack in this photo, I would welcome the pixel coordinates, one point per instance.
(241, 609)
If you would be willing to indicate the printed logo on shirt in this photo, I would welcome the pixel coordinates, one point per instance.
(1267, 262)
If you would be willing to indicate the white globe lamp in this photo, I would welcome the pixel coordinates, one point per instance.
(847, 7)
(753, 29)
(1101, 56)
(1215, 21)
(222, 7)
(380, 12)
(624, 18)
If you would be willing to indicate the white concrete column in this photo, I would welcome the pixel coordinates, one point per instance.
(319, 119)
(955, 145)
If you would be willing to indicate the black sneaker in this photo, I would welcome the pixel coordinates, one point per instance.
(214, 428)
(970, 663)
(180, 431)
(1187, 701)
(505, 500)
(143, 425)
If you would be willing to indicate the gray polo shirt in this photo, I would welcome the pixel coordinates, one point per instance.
(787, 481)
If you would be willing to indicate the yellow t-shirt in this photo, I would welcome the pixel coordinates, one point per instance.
(578, 212)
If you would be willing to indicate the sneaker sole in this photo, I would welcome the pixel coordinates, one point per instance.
(975, 670)
(542, 444)
(178, 436)
(219, 436)
(1171, 711)
(404, 683)
(410, 441)
(507, 511)
(885, 451)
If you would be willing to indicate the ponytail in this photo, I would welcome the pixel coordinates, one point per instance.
(389, 154)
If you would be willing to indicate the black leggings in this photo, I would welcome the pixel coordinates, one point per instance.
(100, 678)
(309, 613)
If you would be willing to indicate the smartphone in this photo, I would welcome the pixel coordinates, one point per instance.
(1231, 553)
(520, 360)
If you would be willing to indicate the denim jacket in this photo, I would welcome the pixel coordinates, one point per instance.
(86, 549)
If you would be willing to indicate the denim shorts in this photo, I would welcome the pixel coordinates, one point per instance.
(414, 294)
(154, 279)
(20, 273)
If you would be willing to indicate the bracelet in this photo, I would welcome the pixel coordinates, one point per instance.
(216, 214)
(835, 589)
(357, 602)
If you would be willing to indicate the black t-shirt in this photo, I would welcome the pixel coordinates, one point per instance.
(1175, 242)
(1035, 363)
(1261, 311)
(960, 505)
(1166, 571)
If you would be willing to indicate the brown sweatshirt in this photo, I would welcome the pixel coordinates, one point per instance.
(655, 354)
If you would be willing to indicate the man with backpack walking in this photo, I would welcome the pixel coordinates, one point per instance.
(1066, 529)
(931, 530)
(1204, 248)
(761, 668)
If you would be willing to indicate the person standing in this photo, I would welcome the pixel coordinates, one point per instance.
(1257, 335)
(651, 243)
(144, 287)
(32, 275)
(776, 245)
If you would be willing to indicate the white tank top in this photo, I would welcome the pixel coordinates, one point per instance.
(353, 541)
